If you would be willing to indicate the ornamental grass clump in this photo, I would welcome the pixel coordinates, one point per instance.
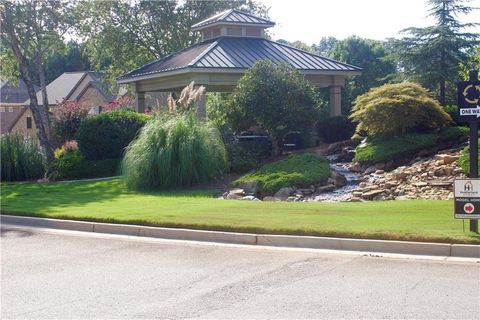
(174, 150)
(21, 159)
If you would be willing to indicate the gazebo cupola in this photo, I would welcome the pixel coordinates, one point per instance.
(232, 23)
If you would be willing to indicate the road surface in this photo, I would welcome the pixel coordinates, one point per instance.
(61, 274)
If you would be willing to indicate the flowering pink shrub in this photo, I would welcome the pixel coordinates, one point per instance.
(123, 102)
(67, 117)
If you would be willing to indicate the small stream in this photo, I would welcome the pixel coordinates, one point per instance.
(344, 193)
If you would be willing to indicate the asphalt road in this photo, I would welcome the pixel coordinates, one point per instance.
(70, 275)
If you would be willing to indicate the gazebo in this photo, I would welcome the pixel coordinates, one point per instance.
(232, 41)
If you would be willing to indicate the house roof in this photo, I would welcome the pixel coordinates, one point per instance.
(236, 53)
(66, 85)
(10, 93)
(233, 16)
(8, 119)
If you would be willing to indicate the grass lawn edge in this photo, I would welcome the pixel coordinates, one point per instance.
(256, 230)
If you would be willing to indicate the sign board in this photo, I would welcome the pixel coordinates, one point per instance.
(468, 97)
(467, 198)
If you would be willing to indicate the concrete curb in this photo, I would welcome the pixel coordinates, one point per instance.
(367, 245)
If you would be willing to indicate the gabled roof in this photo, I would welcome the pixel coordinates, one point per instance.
(10, 93)
(233, 16)
(66, 86)
(239, 54)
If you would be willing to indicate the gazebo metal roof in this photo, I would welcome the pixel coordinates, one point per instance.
(233, 53)
(234, 42)
(233, 16)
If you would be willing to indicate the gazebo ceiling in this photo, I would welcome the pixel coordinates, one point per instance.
(237, 54)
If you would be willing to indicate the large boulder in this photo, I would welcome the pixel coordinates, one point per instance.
(249, 187)
(338, 179)
(284, 193)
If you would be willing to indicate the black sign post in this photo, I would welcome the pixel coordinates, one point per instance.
(468, 93)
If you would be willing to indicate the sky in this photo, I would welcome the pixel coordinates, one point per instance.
(310, 20)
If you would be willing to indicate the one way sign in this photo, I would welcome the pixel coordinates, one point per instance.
(470, 111)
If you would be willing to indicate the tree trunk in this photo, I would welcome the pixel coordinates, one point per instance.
(43, 85)
(443, 90)
(27, 78)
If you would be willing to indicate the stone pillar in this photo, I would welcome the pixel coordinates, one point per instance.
(140, 102)
(202, 106)
(335, 102)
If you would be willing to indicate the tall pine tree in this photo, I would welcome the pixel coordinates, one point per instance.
(432, 55)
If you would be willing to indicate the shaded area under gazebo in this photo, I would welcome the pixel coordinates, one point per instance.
(232, 42)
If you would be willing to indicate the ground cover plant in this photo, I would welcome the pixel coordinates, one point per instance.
(174, 150)
(385, 148)
(110, 201)
(295, 171)
(21, 159)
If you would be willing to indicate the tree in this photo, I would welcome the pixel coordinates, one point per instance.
(394, 109)
(372, 56)
(136, 32)
(276, 98)
(30, 30)
(297, 44)
(70, 58)
(432, 55)
(473, 60)
(325, 45)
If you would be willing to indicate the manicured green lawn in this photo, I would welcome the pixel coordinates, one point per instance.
(109, 200)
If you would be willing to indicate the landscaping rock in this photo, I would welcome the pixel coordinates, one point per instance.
(238, 192)
(249, 187)
(270, 199)
(232, 196)
(284, 193)
(425, 178)
(250, 198)
(369, 195)
(326, 188)
(338, 179)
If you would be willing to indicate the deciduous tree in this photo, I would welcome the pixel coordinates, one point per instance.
(30, 30)
(276, 98)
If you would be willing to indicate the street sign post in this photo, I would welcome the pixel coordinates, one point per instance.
(468, 97)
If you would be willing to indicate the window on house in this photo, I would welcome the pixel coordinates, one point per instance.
(29, 122)
(2, 109)
(10, 109)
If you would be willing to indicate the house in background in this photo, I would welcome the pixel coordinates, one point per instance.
(15, 115)
(85, 87)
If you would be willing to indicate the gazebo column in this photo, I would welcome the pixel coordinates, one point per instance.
(140, 102)
(335, 101)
